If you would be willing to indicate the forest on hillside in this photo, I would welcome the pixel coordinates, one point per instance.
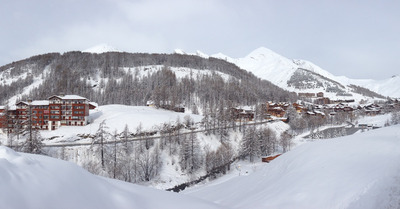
(73, 73)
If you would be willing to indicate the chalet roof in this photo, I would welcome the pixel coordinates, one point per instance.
(69, 97)
(2, 107)
(22, 102)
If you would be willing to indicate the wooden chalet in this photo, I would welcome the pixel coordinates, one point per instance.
(276, 109)
(299, 108)
(242, 114)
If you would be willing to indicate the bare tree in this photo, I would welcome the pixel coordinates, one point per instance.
(190, 153)
(148, 164)
(250, 145)
(100, 137)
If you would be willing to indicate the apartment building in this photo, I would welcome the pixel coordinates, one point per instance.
(50, 114)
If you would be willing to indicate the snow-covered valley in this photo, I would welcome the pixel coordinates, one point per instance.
(358, 171)
(227, 121)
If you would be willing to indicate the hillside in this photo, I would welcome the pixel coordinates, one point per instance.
(34, 181)
(357, 171)
(134, 79)
(304, 76)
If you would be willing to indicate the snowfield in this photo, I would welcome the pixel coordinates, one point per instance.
(116, 117)
(34, 181)
(359, 171)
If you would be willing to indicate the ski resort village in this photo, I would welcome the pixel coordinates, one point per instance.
(144, 120)
(194, 131)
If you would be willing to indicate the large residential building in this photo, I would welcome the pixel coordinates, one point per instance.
(64, 110)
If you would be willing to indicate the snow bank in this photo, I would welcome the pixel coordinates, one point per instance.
(358, 171)
(33, 181)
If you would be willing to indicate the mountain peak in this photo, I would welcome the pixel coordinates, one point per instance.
(263, 53)
(179, 51)
(101, 48)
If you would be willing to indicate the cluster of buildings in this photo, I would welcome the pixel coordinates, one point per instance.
(50, 114)
(279, 109)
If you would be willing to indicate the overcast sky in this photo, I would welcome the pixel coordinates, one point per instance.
(358, 39)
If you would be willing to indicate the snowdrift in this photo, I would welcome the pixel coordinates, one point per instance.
(33, 181)
(358, 171)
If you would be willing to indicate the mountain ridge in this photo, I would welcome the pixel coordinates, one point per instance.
(269, 65)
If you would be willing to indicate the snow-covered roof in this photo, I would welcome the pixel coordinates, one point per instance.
(69, 97)
(35, 102)
(248, 108)
(40, 102)
(94, 104)
(23, 102)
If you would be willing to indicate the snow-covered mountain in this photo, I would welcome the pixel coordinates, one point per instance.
(304, 76)
(101, 48)
(388, 87)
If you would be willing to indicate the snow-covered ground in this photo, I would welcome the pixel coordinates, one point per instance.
(116, 117)
(377, 120)
(34, 181)
(357, 171)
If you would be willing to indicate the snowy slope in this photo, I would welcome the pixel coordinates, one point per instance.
(278, 69)
(358, 171)
(116, 117)
(33, 181)
(387, 87)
